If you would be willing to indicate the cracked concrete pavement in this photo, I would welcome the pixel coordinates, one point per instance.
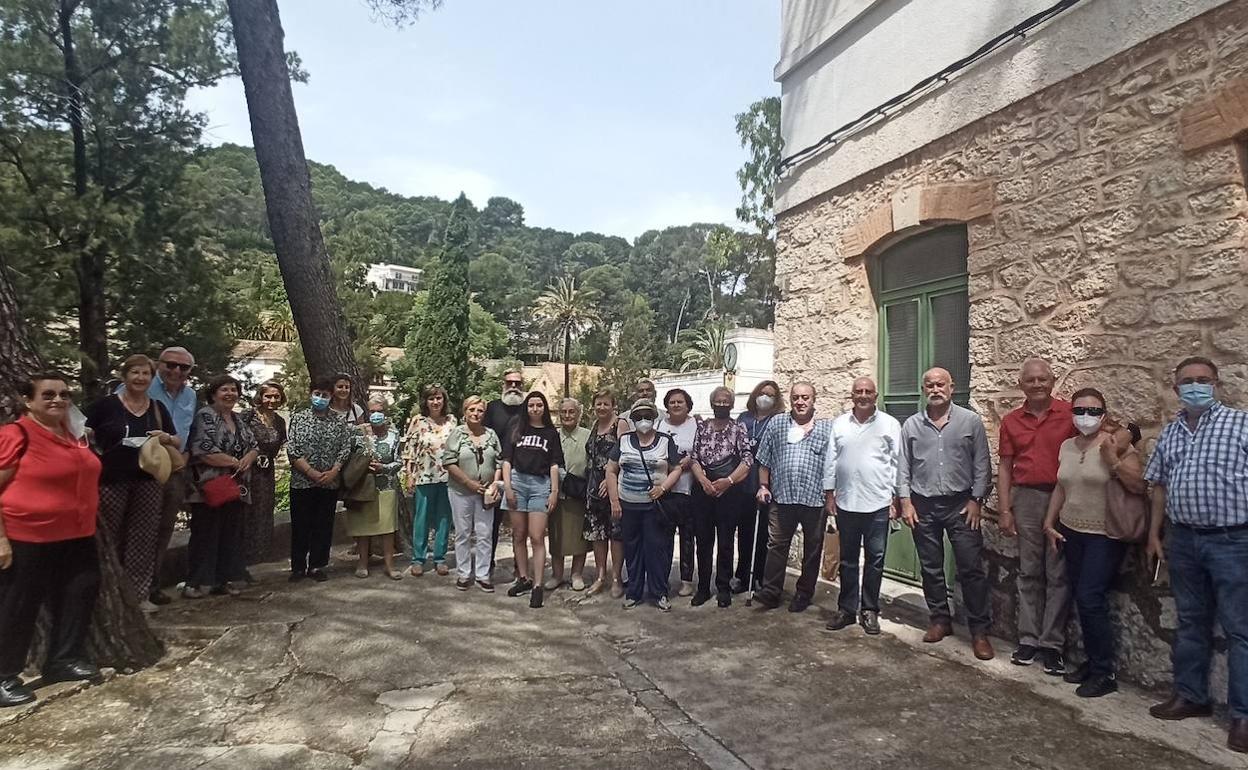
(377, 674)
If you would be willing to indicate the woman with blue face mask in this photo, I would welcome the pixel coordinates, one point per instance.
(377, 518)
(1075, 523)
(318, 445)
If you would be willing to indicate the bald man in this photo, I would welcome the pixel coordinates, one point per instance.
(1031, 437)
(860, 487)
(944, 473)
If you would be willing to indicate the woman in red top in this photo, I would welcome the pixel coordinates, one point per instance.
(49, 494)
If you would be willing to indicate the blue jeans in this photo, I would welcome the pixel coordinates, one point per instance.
(1209, 578)
(868, 532)
(647, 550)
(1092, 563)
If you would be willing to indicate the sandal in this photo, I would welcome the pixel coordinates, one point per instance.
(417, 570)
(597, 587)
(394, 574)
(361, 572)
(578, 583)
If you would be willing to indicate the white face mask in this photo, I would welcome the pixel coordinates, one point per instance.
(796, 434)
(643, 426)
(1087, 424)
(765, 402)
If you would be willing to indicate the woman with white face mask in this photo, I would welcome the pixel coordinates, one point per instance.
(1076, 523)
(765, 402)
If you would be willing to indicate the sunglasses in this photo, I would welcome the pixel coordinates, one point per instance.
(1092, 411)
(52, 395)
(512, 383)
(175, 365)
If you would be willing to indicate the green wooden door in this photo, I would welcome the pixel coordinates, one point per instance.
(921, 291)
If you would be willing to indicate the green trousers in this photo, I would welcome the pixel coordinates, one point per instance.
(431, 509)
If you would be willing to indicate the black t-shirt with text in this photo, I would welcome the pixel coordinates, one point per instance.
(534, 450)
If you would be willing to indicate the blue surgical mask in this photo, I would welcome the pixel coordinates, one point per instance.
(1197, 396)
(377, 418)
(320, 403)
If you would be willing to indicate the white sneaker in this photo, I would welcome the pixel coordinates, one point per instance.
(578, 583)
(686, 588)
(147, 607)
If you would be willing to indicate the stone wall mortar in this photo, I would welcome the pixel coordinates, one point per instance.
(1108, 250)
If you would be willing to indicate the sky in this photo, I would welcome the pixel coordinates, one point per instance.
(614, 117)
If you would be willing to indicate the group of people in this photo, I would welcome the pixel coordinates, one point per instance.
(629, 486)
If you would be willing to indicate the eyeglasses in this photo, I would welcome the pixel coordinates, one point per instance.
(176, 365)
(512, 383)
(1092, 411)
(52, 395)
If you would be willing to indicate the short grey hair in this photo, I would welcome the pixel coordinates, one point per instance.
(177, 349)
(723, 389)
(1036, 361)
(379, 400)
(569, 400)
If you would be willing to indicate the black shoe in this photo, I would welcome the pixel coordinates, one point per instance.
(1025, 655)
(724, 600)
(463, 585)
(248, 578)
(840, 619)
(318, 575)
(800, 603)
(700, 598)
(218, 590)
(1078, 675)
(870, 621)
(1054, 663)
(14, 693)
(535, 598)
(1096, 686)
(295, 577)
(521, 586)
(75, 671)
(159, 598)
(486, 586)
(766, 601)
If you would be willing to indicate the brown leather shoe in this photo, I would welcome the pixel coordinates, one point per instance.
(982, 647)
(1237, 738)
(1177, 707)
(937, 631)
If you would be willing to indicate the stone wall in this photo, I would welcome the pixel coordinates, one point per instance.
(1095, 240)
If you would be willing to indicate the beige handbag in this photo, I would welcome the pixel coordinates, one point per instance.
(1126, 513)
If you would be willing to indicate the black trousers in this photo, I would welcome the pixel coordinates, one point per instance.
(216, 547)
(751, 541)
(782, 525)
(714, 523)
(311, 527)
(939, 516)
(66, 576)
(680, 506)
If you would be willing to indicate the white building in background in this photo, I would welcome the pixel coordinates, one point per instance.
(748, 357)
(386, 277)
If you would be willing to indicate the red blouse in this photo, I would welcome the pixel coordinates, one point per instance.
(55, 493)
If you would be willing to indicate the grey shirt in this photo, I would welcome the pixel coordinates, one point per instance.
(944, 461)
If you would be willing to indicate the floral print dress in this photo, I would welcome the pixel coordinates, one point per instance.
(598, 509)
(258, 517)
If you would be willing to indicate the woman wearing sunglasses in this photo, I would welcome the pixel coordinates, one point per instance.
(472, 458)
(49, 492)
(1075, 522)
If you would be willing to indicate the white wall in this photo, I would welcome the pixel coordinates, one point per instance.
(842, 58)
(755, 358)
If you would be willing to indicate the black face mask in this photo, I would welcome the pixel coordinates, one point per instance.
(721, 412)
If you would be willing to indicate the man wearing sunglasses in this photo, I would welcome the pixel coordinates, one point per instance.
(1031, 438)
(169, 387)
(1199, 477)
(499, 415)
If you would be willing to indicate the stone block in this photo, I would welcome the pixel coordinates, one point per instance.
(1072, 172)
(1056, 256)
(1142, 148)
(1160, 216)
(1018, 274)
(1166, 344)
(1076, 317)
(993, 257)
(1227, 199)
(1198, 305)
(1192, 58)
(983, 350)
(1122, 188)
(1146, 77)
(961, 203)
(1017, 345)
(1232, 339)
(1225, 263)
(1042, 152)
(1219, 117)
(1188, 237)
(1015, 190)
(1041, 296)
(1160, 272)
(870, 230)
(1096, 279)
(1111, 228)
(1112, 125)
(1176, 97)
(1057, 212)
(994, 313)
(1125, 311)
(1130, 390)
(979, 283)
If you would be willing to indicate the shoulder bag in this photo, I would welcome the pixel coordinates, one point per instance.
(1126, 513)
(665, 516)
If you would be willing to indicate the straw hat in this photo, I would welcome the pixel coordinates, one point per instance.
(154, 459)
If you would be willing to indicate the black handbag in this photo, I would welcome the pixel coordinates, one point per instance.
(575, 487)
(722, 469)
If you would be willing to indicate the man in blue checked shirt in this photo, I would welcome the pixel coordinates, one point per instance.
(1199, 473)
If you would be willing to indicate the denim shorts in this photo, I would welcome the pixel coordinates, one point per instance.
(532, 492)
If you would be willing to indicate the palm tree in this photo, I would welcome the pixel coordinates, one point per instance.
(568, 311)
(277, 324)
(706, 347)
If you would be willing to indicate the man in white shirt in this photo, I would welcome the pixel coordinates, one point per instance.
(860, 486)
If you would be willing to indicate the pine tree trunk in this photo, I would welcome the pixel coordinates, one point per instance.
(119, 635)
(301, 254)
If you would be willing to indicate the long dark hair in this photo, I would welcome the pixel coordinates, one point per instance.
(751, 404)
(522, 421)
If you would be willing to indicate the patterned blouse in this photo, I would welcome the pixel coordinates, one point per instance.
(712, 446)
(269, 439)
(211, 435)
(385, 450)
(321, 439)
(422, 449)
(598, 451)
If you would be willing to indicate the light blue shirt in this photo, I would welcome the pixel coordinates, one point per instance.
(181, 407)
